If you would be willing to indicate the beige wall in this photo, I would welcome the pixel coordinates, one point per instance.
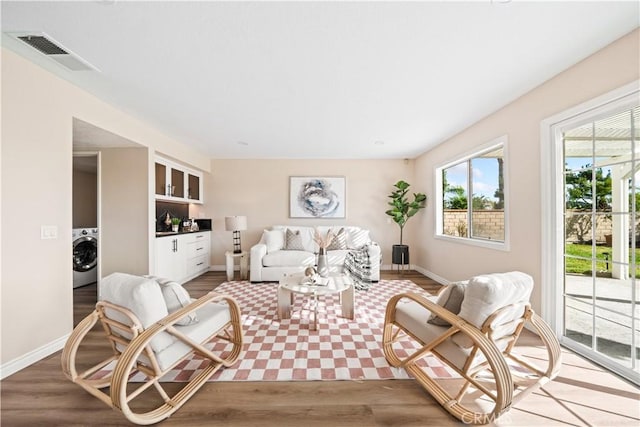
(36, 277)
(85, 199)
(125, 213)
(259, 189)
(37, 114)
(606, 70)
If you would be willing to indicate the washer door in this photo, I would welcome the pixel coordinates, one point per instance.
(85, 253)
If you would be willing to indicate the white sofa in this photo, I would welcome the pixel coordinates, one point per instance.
(270, 259)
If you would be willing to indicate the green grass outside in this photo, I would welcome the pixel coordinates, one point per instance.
(584, 266)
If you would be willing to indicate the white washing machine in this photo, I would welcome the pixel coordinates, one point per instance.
(85, 256)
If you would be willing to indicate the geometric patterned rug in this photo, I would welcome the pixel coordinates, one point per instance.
(287, 350)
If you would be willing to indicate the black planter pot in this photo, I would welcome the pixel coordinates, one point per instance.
(400, 254)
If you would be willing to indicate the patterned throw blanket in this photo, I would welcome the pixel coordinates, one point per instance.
(358, 264)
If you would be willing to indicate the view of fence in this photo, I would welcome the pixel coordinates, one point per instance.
(488, 224)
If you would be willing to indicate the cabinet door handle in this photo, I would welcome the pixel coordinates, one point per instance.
(199, 236)
(200, 263)
(199, 249)
(175, 245)
(168, 192)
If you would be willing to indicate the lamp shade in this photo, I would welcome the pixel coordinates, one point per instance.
(235, 223)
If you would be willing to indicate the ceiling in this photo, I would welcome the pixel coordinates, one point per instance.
(316, 79)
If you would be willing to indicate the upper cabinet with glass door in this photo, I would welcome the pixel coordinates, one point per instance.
(178, 183)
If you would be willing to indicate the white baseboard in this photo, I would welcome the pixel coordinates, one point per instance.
(419, 269)
(32, 357)
(394, 267)
(432, 275)
(221, 268)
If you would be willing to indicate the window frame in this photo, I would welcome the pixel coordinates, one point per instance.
(501, 141)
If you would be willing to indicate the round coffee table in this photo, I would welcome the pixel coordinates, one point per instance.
(291, 284)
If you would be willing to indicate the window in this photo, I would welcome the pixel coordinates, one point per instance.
(471, 194)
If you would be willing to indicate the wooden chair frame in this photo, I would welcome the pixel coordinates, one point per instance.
(128, 361)
(502, 388)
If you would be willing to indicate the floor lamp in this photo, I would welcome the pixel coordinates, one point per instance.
(235, 224)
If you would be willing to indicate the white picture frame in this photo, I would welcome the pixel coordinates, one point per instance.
(317, 197)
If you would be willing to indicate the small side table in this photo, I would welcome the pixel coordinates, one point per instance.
(244, 264)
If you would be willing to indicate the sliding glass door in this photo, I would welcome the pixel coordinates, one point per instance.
(601, 287)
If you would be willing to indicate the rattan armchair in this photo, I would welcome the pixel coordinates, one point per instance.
(142, 342)
(478, 345)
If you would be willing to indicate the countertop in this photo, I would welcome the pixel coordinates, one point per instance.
(175, 233)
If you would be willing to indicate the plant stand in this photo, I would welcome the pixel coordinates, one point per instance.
(400, 257)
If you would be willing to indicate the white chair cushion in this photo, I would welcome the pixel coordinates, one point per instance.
(212, 317)
(412, 315)
(487, 293)
(175, 297)
(143, 297)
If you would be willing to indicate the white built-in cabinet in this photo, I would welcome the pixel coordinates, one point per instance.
(182, 257)
(175, 182)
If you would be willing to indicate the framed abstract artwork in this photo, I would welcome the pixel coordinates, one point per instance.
(317, 197)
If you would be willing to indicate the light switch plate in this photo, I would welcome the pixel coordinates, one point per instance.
(48, 232)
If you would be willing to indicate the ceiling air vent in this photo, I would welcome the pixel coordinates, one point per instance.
(53, 50)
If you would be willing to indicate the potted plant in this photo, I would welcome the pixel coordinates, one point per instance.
(401, 210)
(175, 223)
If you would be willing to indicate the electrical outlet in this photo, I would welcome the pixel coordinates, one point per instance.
(48, 232)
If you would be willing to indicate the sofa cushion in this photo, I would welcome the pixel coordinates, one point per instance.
(274, 240)
(293, 240)
(337, 257)
(357, 237)
(288, 259)
(339, 241)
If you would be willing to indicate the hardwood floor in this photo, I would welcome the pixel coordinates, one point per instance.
(583, 394)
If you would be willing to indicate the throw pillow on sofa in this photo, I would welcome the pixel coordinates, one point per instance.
(293, 241)
(339, 241)
(274, 240)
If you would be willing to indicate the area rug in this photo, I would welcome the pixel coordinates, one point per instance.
(287, 350)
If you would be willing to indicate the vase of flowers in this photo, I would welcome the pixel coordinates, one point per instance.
(323, 243)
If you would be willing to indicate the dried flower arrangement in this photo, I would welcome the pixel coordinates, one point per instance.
(323, 242)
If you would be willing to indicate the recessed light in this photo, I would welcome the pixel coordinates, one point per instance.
(379, 143)
(242, 143)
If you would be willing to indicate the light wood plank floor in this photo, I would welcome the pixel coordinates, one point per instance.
(583, 394)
